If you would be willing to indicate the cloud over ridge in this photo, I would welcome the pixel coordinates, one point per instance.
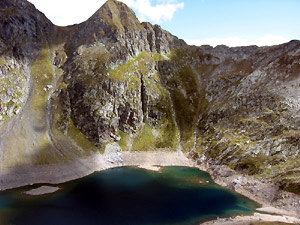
(156, 11)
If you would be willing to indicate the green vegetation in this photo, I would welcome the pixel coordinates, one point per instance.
(125, 138)
(2, 62)
(168, 135)
(187, 103)
(165, 135)
(166, 129)
(80, 139)
(126, 73)
(146, 141)
(42, 76)
(9, 12)
(132, 70)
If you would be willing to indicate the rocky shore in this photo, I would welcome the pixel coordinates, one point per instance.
(281, 206)
(60, 173)
(285, 205)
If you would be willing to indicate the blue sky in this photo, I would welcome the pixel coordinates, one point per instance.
(237, 19)
(230, 22)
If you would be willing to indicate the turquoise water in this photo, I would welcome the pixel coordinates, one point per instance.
(127, 195)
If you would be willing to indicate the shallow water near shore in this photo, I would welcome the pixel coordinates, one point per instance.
(127, 195)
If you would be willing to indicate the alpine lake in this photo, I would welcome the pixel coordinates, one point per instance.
(127, 196)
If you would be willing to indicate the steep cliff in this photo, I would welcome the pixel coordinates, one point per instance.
(67, 92)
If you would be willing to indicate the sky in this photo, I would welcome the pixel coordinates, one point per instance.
(214, 22)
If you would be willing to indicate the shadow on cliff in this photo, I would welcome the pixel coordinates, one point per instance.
(186, 88)
(50, 166)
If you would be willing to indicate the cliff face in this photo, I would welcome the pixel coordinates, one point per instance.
(69, 91)
(244, 108)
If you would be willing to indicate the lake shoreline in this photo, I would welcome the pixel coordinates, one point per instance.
(283, 205)
(287, 205)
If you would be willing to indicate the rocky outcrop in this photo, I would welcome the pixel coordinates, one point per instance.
(113, 81)
(23, 29)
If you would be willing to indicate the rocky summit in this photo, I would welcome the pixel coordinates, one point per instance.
(113, 84)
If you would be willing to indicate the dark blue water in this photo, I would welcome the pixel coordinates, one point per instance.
(126, 195)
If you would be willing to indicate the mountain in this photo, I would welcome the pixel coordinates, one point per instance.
(69, 92)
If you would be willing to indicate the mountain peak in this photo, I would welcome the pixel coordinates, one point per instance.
(116, 14)
(112, 22)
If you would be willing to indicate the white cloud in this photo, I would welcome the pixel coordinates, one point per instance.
(68, 12)
(163, 10)
(265, 40)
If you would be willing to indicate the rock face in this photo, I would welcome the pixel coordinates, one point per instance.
(113, 84)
